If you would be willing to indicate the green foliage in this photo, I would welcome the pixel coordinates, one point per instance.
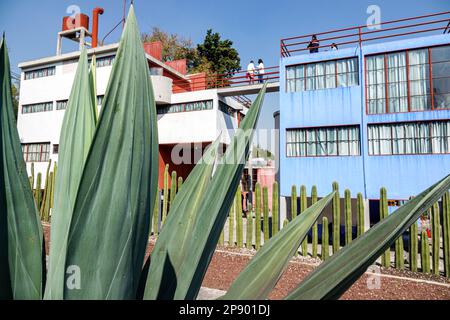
(266, 230)
(325, 239)
(257, 216)
(336, 218)
(249, 230)
(348, 216)
(21, 238)
(399, 248)
(231, 225)
(315, 233)
(165, 195)
(239, 222)
(173, 187)
(155, 214)
(446, 232)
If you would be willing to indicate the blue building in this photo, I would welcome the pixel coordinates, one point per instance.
(367, 115)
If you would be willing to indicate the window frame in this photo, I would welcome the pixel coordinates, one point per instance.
(315, 76)
(183, 109)
(53, 68)
(41, 152)
(430, 138)
(337, 141)
(386, 83)
(34, 104)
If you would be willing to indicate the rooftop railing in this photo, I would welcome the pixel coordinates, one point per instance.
(401, 28)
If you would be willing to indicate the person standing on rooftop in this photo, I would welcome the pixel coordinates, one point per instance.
(260, 71)
(313, 45)
(251, 72)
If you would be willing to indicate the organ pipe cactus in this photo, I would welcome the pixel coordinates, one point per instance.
(360, 208)
(257, 216)
(294, 205)
(180, 182)
(173, 187)
(303, 206)
(249, 230)
(315, 235)
(239, 224)
(155, 213)
(325, 240)
(336, 218)
(38, 192)
(386, 257)
(399, 259)
(413, 247)
(266, 214)
(348, 216)
(231, 224)
(446, 232)
(165, 194)
(275, 209)
(435, 237)
(425, 253)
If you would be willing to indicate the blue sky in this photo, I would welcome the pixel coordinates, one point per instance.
(255, 26)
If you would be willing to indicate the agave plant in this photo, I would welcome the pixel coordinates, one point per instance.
(105, 194)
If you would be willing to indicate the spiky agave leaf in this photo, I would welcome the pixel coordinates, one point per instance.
(21, 238)
(212, 213)
(262, 273)
(78, 129)
(334, 276)
(170, 248)
(93, 85)
(109, 230)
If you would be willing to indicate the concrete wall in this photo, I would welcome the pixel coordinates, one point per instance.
(402, 175)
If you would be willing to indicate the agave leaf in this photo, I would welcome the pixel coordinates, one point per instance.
(75, 140)
(171, 246)
(21, 238)
(110, 225)
(334, 276)
(262, 273)
(93, 86)
(214, 207)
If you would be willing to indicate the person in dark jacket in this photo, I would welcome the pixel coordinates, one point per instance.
(313, 45)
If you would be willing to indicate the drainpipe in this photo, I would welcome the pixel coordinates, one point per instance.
(95, 13)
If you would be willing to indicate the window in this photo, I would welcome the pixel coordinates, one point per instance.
(184, 107)
(37, 107)
(36, 152)
(100, 100)
(39, 73)
(55, 148)
(324, 141)
(432, 137)
(61, 104)
(105, 61)
(411, 80)
(322, 75)
(226, 109)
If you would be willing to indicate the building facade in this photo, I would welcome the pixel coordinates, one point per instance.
(187, 117)
(368, 116)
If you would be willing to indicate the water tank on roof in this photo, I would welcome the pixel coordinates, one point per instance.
(80, 20)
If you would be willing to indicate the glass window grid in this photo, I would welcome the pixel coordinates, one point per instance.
(36, 152)
(37, 107)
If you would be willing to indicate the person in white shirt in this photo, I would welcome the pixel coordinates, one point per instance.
(251, 72)
(260, 71)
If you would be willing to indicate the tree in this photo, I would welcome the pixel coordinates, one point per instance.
(15, 96)
(174, 47)
(217, 56)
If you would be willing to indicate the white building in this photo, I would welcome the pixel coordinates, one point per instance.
(186, 114)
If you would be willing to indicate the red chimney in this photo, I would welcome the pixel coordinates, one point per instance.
(95, 13)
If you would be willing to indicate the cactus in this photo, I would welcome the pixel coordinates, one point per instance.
(315, 235)
(165, 195)
(231, 225)
(325, 240)
(180, 183)
(386, 257)
(52, 197)
(173, 187)
(425, 253)
(360, 207)
(46, 195)
(435, 237)
(446, 232)
(285, 222)
(413, 247)
(399, 259)
(239, 226)
(155, 214)
(303, 206)
(336, 218)
(48, 192)
(249, 230)
(348, 216)
(275, 209)
(32, 176)
(257, 216)
(221, 239)
(38, 192)
(266, 214)
(294, 206)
